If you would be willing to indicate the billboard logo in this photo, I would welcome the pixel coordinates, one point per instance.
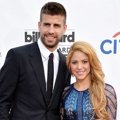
(67, 39)
(31, 37)
(109, 46)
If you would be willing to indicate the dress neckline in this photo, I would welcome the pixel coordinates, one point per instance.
(86, 90)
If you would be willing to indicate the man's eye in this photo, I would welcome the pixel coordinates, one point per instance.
(46, 24)
(56, 25)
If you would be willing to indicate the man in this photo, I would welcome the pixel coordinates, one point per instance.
(23, 77)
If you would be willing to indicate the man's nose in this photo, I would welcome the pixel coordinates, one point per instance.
(51, 29)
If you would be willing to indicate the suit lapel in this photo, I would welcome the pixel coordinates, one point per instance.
(36, 62)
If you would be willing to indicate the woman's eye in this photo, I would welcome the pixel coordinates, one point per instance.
(85, 62)
(74, 62)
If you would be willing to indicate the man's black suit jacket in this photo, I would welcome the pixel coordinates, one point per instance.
(22, 86)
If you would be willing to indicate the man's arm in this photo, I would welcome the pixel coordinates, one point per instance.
(8, 81)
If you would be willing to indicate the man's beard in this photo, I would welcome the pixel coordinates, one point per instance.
(50, 46)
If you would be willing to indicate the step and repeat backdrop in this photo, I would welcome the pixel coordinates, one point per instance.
(94, 21)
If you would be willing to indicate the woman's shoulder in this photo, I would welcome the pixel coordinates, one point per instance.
(111, 101)
(111, 96)
(109, 90)
(68, 87)
(67, 90)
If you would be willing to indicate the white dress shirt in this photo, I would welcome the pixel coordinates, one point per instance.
(45, 56)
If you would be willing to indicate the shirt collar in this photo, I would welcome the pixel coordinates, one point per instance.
(45, 52)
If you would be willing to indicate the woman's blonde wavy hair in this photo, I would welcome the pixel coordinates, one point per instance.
(97, 92)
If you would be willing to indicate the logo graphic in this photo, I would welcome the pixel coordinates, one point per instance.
(67, 39)
(111, 46)
(31, 36)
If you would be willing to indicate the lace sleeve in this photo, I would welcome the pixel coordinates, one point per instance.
(111, 101)
(65, 92)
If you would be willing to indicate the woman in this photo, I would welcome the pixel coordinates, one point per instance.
(89, 98)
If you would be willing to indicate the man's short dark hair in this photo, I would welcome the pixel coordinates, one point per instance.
(53, 8)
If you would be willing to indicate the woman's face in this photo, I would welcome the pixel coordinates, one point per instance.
(80, 66)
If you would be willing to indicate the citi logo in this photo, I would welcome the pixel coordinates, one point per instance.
(111, 46)
(33, 36)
